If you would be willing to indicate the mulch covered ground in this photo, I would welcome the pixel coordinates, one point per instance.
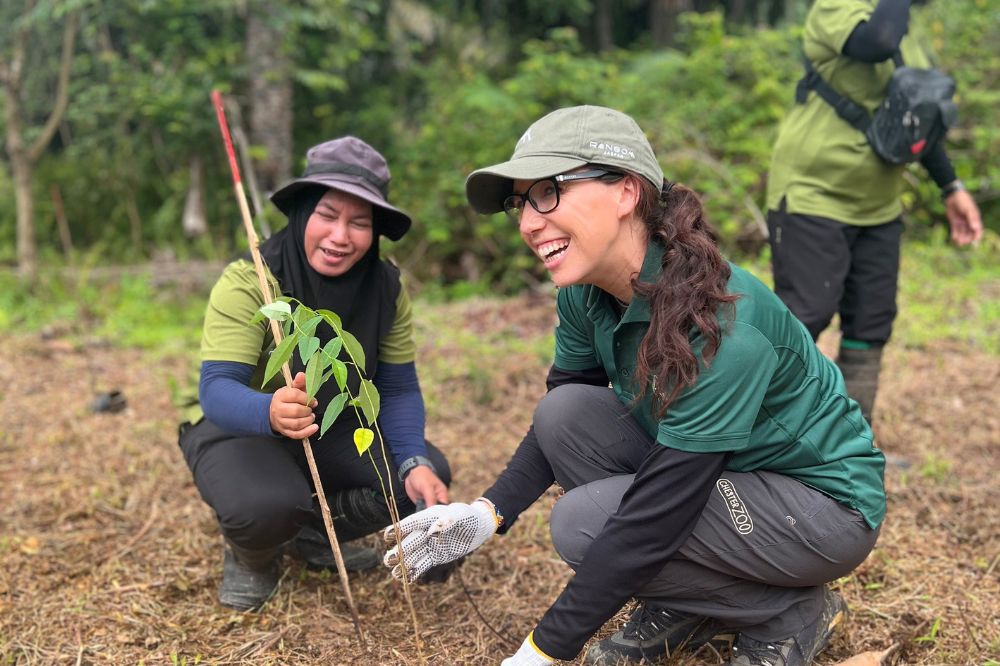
(108, 555)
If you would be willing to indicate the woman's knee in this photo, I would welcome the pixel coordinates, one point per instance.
(567, 525)
(580, 515)
(560, 412)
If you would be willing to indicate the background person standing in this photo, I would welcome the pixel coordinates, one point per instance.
(834, 210)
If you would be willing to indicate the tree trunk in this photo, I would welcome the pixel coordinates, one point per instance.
(65, 238)
(604, 25)
(194, 223)
(737, 13)
(270, 96)
(27, 257)
(23, 155)
(663, 20)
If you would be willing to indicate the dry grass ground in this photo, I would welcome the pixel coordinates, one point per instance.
(108, 555)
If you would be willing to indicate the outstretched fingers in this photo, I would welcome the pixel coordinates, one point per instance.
(418, 558)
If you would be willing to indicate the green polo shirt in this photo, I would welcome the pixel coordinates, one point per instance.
(226, 335)
(769, 396)
(821, 165)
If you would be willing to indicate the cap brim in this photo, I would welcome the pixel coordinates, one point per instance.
(486, 188)
(391, 222)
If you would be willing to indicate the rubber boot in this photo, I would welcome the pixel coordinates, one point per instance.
(860, 368)
(249, 577)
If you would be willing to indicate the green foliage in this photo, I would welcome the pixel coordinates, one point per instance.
(300, 328)
(129, 310)
(443, 87)
(947, 293)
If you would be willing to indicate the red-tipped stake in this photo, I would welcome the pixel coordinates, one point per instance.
(265, 289)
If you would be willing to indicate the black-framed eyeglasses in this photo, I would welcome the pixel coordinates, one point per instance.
(543, 195)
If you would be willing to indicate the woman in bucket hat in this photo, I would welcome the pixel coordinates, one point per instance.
(714, 467)
(241, 443)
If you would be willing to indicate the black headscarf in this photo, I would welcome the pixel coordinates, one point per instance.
(364, 297)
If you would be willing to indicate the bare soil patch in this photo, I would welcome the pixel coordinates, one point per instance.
(108, 555)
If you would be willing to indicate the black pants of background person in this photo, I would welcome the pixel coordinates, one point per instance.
(823, 267)
(261, 490)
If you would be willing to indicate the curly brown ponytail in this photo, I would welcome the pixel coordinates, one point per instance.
(686, 299)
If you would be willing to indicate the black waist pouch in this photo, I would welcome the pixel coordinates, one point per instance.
(916, 113)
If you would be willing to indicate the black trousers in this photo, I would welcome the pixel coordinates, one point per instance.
(260, 487)
(823, 267)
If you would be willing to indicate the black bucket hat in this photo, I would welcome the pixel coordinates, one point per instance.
(350, 165)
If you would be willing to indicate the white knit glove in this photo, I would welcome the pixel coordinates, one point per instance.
(528, 655)
(437, 535)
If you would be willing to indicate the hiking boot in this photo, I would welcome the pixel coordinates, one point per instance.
(653, 631)
(312, 547)
(860, 368)
(249, 577)
(800, 649)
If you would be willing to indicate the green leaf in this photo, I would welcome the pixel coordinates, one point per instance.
(354, 349)
(279, 357)
(307, 345)
(314, 373)
(368, 400)
(333, 410)
(363, 438)
(279, 310)
(331, 349)
(340, 373)
(309, 327)
(332, 318)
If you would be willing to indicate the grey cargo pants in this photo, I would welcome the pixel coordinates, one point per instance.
(758, 557)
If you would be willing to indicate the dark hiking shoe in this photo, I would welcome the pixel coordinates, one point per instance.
(246, 586)
(800, 649)
(653, 631)
(312, 547)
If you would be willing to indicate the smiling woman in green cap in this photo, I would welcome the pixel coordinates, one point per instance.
(241, 439)
(714, 467)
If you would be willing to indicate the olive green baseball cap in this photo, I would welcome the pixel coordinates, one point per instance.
(563, 140)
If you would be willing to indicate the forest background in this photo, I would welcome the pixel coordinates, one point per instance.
(112, 154)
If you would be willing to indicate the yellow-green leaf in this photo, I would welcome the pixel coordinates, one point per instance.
(363, 438)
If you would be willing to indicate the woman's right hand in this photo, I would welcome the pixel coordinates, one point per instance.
(291, 413)
(437, 535)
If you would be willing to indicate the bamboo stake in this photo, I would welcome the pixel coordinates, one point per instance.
(265, 290)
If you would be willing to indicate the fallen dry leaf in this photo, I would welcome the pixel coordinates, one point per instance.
(868, 658)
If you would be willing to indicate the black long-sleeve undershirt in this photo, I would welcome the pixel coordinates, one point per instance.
(878, 38)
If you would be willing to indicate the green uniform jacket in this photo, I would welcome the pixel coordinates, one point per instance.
(769, 396)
